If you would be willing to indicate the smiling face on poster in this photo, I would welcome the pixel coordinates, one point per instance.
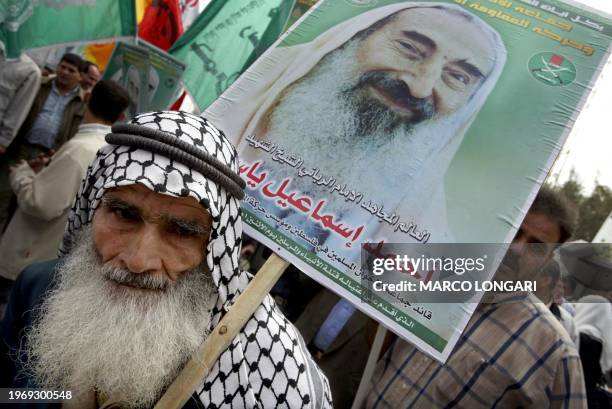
(389, 95)
(390, 121)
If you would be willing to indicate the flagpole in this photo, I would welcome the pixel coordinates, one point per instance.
(222, 336)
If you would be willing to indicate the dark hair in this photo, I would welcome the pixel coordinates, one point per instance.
(108, 100)
(85, 66)
(556, 206)
(73, 59)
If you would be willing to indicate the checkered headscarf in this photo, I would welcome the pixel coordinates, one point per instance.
(267, 364)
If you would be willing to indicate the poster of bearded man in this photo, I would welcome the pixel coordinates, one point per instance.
(404, 122)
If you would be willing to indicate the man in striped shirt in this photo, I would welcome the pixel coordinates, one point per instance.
(513, 352)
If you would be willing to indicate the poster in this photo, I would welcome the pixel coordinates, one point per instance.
(165, 73)
(129, 67)
(424, 122)
(150, 75)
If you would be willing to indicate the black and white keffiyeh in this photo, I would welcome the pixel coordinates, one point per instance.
(267, 364)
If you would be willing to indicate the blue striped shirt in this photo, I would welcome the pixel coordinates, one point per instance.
(510, 355)
(47, 124)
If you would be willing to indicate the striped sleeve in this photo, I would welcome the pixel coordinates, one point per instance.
(568, 387)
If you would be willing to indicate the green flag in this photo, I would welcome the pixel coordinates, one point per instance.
(225, 39)
(26, 24)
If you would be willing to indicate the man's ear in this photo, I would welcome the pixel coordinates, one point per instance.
(121, 117)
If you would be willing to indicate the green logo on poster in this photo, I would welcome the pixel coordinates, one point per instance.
(552, 69)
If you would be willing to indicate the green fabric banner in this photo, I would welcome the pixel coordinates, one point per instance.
(225, 39)
(26, 24)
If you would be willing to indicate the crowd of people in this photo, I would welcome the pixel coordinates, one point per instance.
(52, 126)
(152, 257)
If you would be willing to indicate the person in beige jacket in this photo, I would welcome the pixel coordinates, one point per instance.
(19, 83)
(45, 193)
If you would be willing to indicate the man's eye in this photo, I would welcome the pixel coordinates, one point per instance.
(461, 77)
(124, 213)
(411, 51)
(457, 79)
(183, 231)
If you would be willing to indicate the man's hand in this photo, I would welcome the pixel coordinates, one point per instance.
(40, 161)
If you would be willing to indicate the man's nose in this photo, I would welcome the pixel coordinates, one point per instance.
(144, 252)
(423, 79)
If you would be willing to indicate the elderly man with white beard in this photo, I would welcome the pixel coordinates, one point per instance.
(149, 267)
(380, 102)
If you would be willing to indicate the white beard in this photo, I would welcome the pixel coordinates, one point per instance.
(316, 120)
(128, 344)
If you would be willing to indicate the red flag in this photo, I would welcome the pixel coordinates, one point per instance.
(177, 104)
(161, 24)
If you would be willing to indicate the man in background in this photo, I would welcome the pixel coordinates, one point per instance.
(57, 110)
(19, 81)
(513, 352)
(54, 118)
(45, 193)
(547, 282)
(90, 75)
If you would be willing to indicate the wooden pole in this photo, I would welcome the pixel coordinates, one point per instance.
(221, 337)
(364, 384)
